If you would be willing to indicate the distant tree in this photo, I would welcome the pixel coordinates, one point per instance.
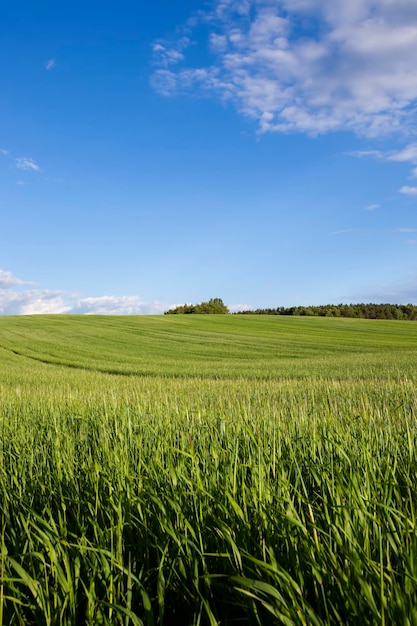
(213, 306)
(361, 310)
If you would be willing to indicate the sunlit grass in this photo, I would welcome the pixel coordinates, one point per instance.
(213, 345)
(206, 495)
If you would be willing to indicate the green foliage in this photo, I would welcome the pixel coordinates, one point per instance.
(213, 306)
(201, 496)
(362, 311)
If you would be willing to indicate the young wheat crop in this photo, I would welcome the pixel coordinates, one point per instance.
(200, 499)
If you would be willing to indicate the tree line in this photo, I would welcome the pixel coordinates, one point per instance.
(362, 310)
(214, 305)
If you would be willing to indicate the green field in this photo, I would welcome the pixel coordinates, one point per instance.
(208, 470)
(265, 347)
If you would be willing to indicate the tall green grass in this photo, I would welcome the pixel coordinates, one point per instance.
(197, 497)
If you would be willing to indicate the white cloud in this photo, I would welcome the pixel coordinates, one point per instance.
(167, 53)
(218, 43)
(406, 155)
(165, 82)
(408, 191)
(373, 207)
(236, 308)
(17, 299)
(4, 152)
(7, 280)
(24, 163)
(312, 66)
(117, 305)
(36, 302)
(362, 154)
(30, 302)
(50, 64)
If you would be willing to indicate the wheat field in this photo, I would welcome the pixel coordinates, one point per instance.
(213, 470)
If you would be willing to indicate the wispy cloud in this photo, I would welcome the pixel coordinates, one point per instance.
(407, 154)
(344, 231)
(50, 64)
(373, 207)
(24, 163)
(402, 293)
(408, 191)
(169, 53)
(117, 305)
(366, 154)
(4, 152)
(17, 299)
(311, 66)
(164, 82)
(7, 280)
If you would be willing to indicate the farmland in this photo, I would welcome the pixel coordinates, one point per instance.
(208, 470)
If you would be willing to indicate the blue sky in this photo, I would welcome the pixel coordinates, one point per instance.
(261, 151)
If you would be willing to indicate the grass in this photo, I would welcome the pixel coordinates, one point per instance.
(207, 470)
(213, 346)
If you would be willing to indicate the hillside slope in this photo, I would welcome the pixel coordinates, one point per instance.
(214, 346)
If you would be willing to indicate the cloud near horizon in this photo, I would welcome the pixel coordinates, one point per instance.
(235, 308)
(405, 293)
(17, 299)
(118, 305)
(310, 66)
